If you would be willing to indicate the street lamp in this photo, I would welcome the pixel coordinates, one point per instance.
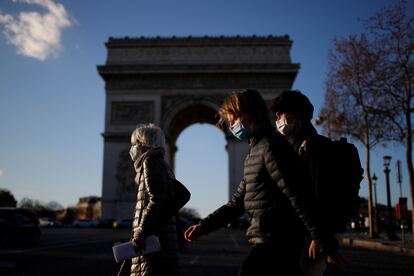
(374, 183)
(390, 234)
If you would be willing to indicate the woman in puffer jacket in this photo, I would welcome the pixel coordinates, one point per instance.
(152, 215)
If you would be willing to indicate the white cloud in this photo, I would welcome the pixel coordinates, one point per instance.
(1, 172)
(34, 34)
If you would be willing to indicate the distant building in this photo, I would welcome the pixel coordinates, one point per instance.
(88, 207)
(382, 215)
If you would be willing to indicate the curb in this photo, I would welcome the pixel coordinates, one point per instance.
(378, 246)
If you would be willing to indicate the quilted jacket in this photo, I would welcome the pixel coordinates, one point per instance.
(275, 195)
(153, 189)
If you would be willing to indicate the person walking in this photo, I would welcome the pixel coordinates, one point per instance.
(272, 194)
(293, 113)
(152, 215)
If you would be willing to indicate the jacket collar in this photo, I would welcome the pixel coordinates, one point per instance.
(261, 132)
(304, 133)
(151, 152)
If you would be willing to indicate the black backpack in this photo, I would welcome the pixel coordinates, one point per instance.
(342, 174)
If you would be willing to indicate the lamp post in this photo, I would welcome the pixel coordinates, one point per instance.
(374, 183)
(390, 234)
(399, 178)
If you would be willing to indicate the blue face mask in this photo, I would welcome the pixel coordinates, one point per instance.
(241, 132)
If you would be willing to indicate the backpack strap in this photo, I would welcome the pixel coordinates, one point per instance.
(303, 148)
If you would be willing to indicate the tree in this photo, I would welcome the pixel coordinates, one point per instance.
(30, 204)
(393, 39)
(350, 95)
(7, 199)
(54, 206)
(70, 215)
(41, 209)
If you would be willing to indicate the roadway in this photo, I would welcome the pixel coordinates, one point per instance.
(78, 252)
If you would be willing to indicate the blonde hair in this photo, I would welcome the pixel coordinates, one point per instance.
(148, 135)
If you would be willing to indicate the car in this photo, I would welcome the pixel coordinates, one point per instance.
(18, 226)
(105, 223)
(84, 223)
(49, 222)
(123, 223)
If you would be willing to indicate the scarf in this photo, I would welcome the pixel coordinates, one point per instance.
(151, 152)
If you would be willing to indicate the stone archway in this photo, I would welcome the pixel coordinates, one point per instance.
(191, 114)
(176, 82)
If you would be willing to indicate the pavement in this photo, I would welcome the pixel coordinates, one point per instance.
(88, 252)
(403, 246)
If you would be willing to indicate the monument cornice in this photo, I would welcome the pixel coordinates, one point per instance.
(116, 136)
(229, 80)
(202, 41)
(110, 70)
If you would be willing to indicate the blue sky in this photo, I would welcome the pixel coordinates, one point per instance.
(52, 98)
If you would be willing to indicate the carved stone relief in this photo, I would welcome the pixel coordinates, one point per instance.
(125, 175)
(125, 113)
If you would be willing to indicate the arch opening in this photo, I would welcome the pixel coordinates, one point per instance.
(188, 116)
(202, 164)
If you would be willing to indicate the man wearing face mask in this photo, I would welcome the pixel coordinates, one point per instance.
(293, 113)
(270, 194)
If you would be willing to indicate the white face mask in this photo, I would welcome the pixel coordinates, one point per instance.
(134, 152)
(284, 128)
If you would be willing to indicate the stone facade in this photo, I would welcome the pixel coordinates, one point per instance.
(175, 82)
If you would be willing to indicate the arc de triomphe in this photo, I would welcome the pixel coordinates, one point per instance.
(174, 83)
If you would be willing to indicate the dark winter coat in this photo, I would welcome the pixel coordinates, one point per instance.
(274, 194)
(312, 149)
(151, 215)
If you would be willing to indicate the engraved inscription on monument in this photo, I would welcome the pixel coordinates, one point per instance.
(125, 113)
